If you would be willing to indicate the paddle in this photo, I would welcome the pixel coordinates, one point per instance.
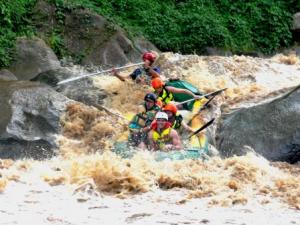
(202, 128)
(207, 103)
(109, 111)
(202, 96)
(93, 74)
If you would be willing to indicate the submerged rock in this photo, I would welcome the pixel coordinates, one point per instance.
(271, 128)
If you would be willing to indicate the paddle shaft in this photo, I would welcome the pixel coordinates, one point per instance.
(203, 107)
(202, 128)
(202, 96)
(93, 74)
(111, 112)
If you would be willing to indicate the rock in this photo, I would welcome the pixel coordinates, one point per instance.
(119, 50)
(212, 51)
(52, 77)
(16, 149)
(81, 90)
(271, 128)
(6, 75)
(88, 37)
(144, 45)
(30, 119)
(297, 51)
(296, 27)
(98, 41)
(43, 16)
(296, 21)
(33, 57)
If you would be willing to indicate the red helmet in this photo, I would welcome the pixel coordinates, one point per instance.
(157, 83)
(149, 56)
(170, 107)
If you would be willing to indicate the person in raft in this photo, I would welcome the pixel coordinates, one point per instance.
(140, 125)
(165, 93)
(143, 74)
(162, 136)
(175, 118)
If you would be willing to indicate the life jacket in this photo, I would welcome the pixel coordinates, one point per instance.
(143, 119)
(163, 137)
(165, 96)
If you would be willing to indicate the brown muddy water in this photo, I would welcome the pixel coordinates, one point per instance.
(82, 186)
(104, 189)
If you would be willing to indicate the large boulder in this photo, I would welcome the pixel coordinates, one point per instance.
(271, 128)
(33, 57)
(30, 119)
(93, 38)
(88, 37)
(52, 77)
(82, 90)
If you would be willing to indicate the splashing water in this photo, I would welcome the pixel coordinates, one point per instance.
(87, 177)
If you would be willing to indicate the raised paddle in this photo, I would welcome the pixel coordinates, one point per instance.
(93, 74)
(202, 96)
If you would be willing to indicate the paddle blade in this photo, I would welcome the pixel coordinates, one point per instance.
(202, 128)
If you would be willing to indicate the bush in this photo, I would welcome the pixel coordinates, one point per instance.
(191, 25)
(187, 26)
(14, 22)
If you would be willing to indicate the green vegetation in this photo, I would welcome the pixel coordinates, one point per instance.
(185, 26)
(14, 22)
(191, 25)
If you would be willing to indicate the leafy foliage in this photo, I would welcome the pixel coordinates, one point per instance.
(186, 26)
(56, 44)
(191, 25)
(14, 22)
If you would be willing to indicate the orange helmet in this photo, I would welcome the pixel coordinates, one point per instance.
(157, 83)
(170, 107)
(149, 56)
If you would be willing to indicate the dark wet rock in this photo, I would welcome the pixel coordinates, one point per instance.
(212, 51)
(52, 77)
(296, 27)
(33, 57)
(6, 75)
(296, 50)
(271, 128)
(296, 21)
(30, 118)
(15, 149)
(81, 90)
